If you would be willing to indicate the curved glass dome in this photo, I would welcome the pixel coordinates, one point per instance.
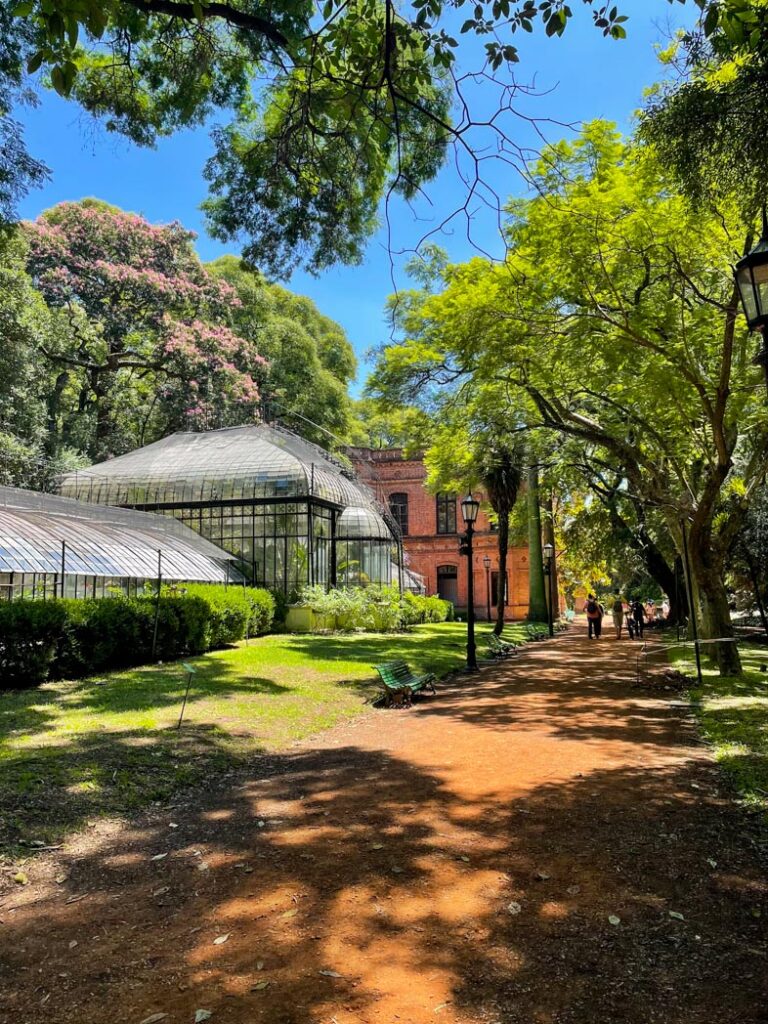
(356, 523)
(253, 463)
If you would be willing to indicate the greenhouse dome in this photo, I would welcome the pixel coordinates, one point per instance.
(284, 507)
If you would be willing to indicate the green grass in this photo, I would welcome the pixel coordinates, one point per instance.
(70, 751)
(733, 717)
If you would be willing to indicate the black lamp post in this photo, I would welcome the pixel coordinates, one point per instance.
(487, 564)
(470, 506)
(548, 553)
(751, 273)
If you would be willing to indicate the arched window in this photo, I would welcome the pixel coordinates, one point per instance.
(398, 506)
(446, 513)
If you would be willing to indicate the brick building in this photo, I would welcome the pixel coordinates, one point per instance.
(431, 525)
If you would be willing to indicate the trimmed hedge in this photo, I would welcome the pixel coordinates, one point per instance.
(42, 640)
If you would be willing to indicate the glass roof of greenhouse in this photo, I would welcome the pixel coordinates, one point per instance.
(357, 523)
(257, 462)
(101, 541)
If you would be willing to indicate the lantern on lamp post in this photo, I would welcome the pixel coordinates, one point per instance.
(470, 507)
(751, 274)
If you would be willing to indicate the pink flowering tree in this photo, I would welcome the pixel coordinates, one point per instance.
(140, 305)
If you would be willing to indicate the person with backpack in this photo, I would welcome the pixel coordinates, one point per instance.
(594, 617)
(617, 611)
(638, 617)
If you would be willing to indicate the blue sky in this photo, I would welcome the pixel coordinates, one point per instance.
(579, 77)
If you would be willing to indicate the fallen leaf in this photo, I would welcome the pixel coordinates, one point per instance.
(613, 919)
(574, 890)
(73, 943)
(260, 965)
(465, 859)
(397, 870)
(61, 879)
(331, 974)
(712, 863)
(201, 1015)
(161, 892)
(221, 939)
(290, 913)
(514, 907)
(21, 878)
(542, 876)
(203, 866)
(172, 824)
(677, 915)
(259, 985)
(378, 846)
(154, 1018)
(160, 856)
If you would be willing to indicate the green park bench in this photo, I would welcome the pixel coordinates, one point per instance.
(536, 633)
(400, 683)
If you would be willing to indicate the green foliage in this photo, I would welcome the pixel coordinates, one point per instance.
(310, 359)
(373, 609)
(709, 122)
(75, 638)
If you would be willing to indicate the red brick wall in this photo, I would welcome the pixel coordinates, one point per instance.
(386, 472)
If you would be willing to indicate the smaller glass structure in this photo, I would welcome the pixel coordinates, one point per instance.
(58, 547)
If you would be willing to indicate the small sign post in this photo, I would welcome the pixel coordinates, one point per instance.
(190, 670)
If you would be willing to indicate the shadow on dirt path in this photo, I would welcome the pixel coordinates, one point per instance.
(540, 844)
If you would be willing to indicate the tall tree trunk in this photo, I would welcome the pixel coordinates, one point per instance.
(552, 588)
(755, 586)
(537, 602)
(501, 580)
(710, 596)
(678, 599)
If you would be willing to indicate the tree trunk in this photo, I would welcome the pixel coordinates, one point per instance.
(714, 614)
(678, 599)
(552, 588)
(756, 587)
(537, 602)
(501, 580)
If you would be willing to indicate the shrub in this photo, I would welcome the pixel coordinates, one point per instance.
(374, 608)
(29, 637)
(67, 639)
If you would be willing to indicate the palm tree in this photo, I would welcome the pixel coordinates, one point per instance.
(501, 477)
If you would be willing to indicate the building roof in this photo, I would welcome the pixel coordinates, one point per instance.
(101, 541)
(257, 462)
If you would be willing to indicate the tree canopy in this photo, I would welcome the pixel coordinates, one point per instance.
(614, 322)
(332, 106)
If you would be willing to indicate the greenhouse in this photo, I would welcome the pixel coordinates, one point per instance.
(57, 547)
(287, 510)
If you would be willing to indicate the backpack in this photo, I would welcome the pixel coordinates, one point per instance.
(593, 612)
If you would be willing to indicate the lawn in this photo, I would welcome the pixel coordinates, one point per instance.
(70, 751)
(733, 717)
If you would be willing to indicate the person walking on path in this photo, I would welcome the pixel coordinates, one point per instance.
(594, 617)
(638, 617)
(617, 611)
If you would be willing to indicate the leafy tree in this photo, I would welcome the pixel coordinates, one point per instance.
(336, 105)
(311, 361)
(614, 322)
(140, 307)
(709, 121)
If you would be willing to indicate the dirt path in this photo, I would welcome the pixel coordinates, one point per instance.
(456, 863)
